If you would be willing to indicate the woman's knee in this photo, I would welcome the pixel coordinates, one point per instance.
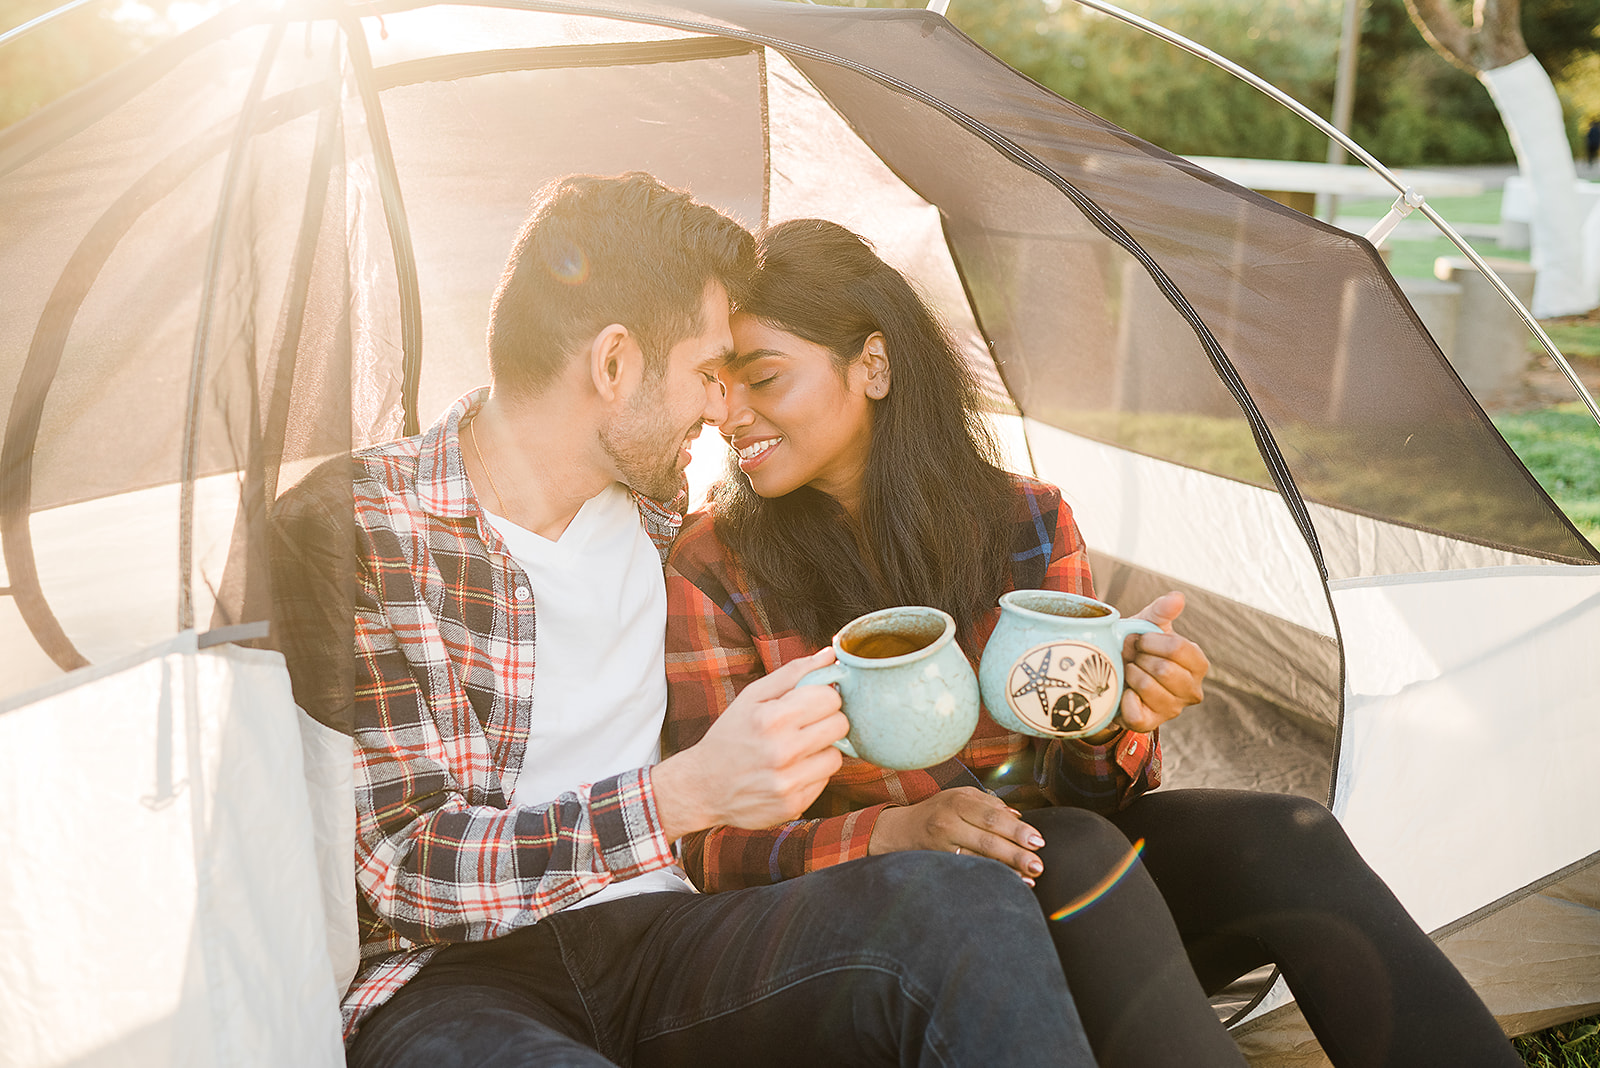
(1273, 847)
(1239, 822)
(1081, 848)
(1287, 829)
(1076, 832)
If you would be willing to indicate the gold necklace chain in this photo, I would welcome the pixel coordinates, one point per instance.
(472, 432)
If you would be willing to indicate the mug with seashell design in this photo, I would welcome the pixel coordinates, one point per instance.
(1053, 666)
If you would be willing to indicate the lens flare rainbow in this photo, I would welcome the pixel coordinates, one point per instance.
(1103, 887)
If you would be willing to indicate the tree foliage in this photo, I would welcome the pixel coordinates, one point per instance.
(1147, 86)
(1411, 106)
(59, 56)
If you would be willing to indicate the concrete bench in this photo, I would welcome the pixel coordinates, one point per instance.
(1481, 335)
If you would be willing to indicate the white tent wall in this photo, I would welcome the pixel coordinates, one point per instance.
(169, 909)
(1491, 675)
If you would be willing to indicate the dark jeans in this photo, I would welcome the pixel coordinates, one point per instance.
(909, 959)
(1252, 879)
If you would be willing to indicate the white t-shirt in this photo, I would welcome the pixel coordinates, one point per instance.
(599, 684)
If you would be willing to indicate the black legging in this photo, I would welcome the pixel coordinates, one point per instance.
(1253, 879)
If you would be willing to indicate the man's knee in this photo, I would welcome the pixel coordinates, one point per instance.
(961, 880)
(936, 897)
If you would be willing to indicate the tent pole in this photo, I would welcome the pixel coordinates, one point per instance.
(1411, 196)
(34, 23)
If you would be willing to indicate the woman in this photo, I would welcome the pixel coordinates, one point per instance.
(864, 479)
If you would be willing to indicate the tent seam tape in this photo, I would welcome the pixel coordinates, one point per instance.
(1516, 896)
(1362, 582)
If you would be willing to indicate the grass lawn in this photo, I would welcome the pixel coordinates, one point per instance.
(1483, 208)
(1561, 446)
(1573, 1045)
(1413, 258)
(1576, 340)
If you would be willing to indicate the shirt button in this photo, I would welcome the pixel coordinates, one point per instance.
(522, 593)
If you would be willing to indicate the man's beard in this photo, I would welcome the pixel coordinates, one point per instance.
(645, 449)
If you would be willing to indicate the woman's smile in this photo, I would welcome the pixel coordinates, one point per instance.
(753, 451)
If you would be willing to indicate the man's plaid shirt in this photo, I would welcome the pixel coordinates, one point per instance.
(721, 636)
(443, 691)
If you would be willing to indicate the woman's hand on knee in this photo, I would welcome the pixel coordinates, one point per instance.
(961, 820)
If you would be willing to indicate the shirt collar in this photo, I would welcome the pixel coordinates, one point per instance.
(443, 488)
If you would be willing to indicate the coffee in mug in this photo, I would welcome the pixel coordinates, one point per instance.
(886, 644)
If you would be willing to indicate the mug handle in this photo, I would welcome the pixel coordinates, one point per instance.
(1126, 627)
(827, 676)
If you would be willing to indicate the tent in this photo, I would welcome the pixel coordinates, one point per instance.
(273, 239)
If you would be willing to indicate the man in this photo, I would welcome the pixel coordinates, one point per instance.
(520, 900)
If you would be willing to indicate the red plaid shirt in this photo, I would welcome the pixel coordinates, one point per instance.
(444, 688)
(721, 637)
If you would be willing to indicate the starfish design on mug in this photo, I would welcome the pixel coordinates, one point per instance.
(1040, 681)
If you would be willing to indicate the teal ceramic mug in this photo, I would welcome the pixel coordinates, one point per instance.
(907, 688)
(1053, 666)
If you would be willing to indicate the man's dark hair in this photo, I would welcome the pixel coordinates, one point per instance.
(596, 251)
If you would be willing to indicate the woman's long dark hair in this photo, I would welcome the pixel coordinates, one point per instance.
(936, 517)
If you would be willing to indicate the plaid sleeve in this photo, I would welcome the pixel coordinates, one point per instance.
(438, 856)
(711, 656)
(1102, 778)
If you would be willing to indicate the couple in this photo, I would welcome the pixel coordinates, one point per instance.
(526, 852)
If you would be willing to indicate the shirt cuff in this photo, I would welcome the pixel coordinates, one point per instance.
(628, 835)
(1128, 750)
(856, 840)
(1131, 751)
